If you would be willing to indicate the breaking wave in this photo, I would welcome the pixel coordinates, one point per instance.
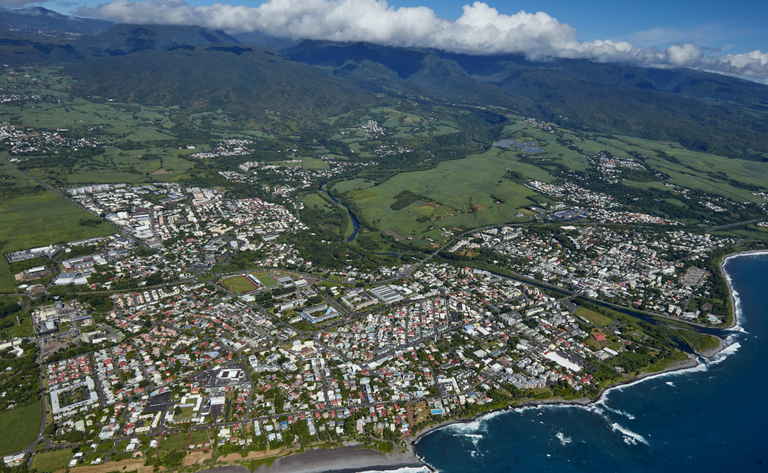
(630, 438)
(421, 469)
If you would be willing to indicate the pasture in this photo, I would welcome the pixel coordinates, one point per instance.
(464, 193)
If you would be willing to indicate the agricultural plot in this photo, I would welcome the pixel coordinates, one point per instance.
(113, 166)
(691, 169)
(314, 163)
(352, 184)
(43, 219)
(10, 177)
(465, 193)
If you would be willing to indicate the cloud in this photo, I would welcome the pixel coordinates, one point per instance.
(18, 3)
(481, 29)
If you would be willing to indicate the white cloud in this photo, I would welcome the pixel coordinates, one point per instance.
(481, 29)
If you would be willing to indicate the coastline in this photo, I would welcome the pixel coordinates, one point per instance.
(682, 365)
(342, 465)
(347, 459)
(585, 402)
(353, 459)
(734, 301)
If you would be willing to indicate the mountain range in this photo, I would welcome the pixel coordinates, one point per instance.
(201, 69)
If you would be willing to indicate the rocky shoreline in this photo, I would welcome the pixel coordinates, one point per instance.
(579, 402)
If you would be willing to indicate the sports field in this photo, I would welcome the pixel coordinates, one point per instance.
(266, 279)
(239, 284)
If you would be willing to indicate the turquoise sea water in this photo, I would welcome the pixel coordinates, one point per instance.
(712, 418)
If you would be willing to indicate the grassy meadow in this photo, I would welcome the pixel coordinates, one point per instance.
(53, 460)
(464, 193)
(19, 427)
(695, 170)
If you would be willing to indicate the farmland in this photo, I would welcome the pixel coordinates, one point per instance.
(725, 177)
(42, 219)
(463, 193)
(472, 192)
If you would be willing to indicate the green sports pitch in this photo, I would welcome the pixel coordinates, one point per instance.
(239, 284)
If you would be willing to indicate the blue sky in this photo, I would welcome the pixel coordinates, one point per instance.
(740, 24)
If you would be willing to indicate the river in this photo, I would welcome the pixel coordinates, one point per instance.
(355, 223)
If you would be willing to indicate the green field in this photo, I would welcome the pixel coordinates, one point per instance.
(19, 427)
(42, 219)
(695, 170)
(313, 163)
(173, 442)
(698, 341)
(24, 329)
(35, 220)
(464, 193)
(52, 461)
(239, 284)
(199, 436)
(113, 166)
(592, 316)
(267, 280)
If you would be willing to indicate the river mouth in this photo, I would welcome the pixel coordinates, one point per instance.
(355, 223)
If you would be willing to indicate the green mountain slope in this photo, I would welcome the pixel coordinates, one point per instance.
(706, 112)
(244, 81)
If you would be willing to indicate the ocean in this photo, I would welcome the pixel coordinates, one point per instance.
(711, 418)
